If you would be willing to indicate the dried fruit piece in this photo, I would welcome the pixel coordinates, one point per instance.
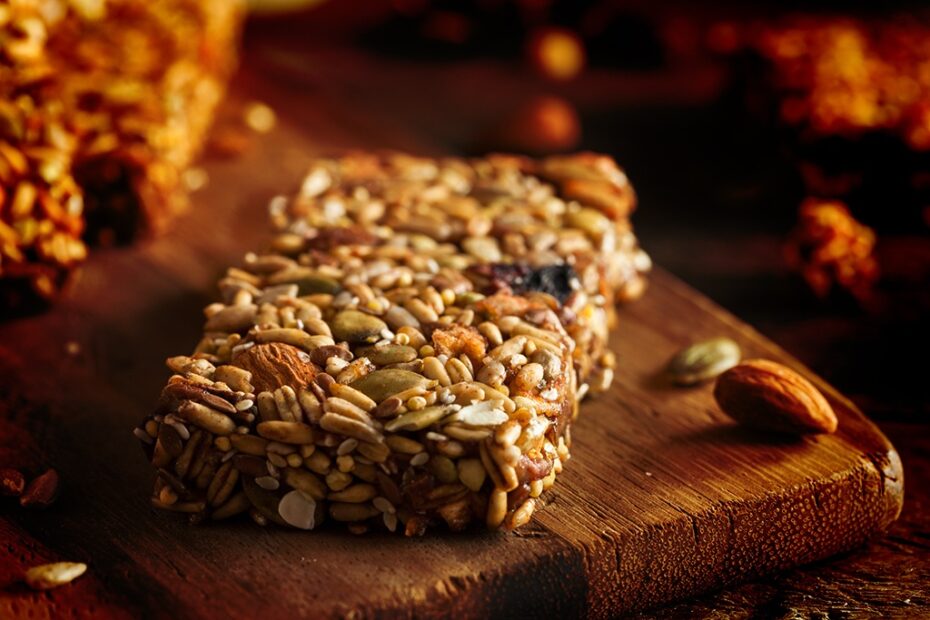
(42, 491)
(831, 249)
(769, 396)
(12, 482)
(47, 576)
(704, 360)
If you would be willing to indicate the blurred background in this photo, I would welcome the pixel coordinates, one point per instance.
(781, 152)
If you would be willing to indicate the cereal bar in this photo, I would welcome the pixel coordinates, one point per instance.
(365, 382)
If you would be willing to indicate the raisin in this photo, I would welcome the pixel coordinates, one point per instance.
(556, 280)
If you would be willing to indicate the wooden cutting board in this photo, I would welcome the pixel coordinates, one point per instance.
(663, 498)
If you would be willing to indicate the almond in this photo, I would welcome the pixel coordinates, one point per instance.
(275, 364)
(42, 491)
(769, 396)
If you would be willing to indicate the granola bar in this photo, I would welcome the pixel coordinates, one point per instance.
(366, 382)
(104, 104)
(510, 217)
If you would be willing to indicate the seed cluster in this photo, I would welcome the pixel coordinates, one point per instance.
(519, 223)
(103, 103)
(383, 377)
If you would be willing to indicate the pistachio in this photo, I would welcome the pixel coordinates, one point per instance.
(703, 361)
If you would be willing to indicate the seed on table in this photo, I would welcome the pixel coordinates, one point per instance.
(47, 576)
(703, 361)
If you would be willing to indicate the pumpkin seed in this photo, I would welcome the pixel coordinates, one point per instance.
(418, 420)
(703, 361)
(389, 354)
(382, 384)
(354, 326)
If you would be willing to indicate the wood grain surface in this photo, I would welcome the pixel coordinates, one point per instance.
(663, 499)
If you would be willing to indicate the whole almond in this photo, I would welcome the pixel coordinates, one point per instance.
(275, 364)
(769, 396)
(42, 491)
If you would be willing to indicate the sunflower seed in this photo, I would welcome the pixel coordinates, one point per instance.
(47, 576)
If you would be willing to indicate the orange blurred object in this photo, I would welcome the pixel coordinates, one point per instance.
(556, 53)
(542, 124)
(843, 76)
(830, 248)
